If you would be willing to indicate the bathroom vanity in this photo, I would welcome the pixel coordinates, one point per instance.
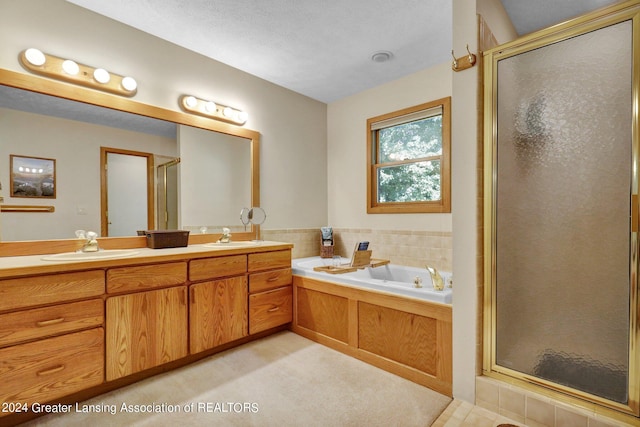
(71, 330)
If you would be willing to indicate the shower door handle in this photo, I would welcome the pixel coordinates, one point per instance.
(634, 213)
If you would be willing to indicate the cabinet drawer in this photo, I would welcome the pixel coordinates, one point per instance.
(145, 277)
(212, 268)
(270, 309)
(52, 288)
(270, 260)
(259, 282)
(48, 369)
(42, 322)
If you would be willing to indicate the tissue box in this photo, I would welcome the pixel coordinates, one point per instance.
(160, 239)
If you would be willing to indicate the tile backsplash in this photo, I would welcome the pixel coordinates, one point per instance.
(403, 247)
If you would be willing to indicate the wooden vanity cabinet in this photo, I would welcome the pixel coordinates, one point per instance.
(218, 307)
(149, 328)
(217, 312)
(270, 290)
(70, 331)
(51, 335)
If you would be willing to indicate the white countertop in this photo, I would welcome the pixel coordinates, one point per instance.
(36, 263)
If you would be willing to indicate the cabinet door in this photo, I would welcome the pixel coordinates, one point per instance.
(218, 312)
(145, 330)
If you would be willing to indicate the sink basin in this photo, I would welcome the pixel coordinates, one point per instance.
(85, 256)
(237, 244)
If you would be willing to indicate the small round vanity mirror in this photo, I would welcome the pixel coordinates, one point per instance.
(244, 217)
(257, 216)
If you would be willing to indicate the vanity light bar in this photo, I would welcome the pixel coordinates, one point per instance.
(212, 110)
(70, 71)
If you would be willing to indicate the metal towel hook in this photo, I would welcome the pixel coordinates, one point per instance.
(463, 62)
(471, 57)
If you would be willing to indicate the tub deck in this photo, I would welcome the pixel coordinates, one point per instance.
(394, 279)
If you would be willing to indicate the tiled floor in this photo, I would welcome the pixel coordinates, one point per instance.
(464, 414)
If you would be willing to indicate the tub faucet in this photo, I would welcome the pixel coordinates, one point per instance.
(436, 278)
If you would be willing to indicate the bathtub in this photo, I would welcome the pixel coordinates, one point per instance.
(390, 278)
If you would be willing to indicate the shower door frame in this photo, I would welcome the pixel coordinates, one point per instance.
(621, 12)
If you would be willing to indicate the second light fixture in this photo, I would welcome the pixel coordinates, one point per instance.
(212, 110)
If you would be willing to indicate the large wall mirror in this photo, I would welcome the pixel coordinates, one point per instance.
(203, 171)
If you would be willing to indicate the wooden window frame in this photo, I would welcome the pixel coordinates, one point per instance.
(443, 205)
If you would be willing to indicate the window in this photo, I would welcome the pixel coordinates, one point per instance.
(409, 160)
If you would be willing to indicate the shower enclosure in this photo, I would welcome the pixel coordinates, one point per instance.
(561, 209)
(167, 195)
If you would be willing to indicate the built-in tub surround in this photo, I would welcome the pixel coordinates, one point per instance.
(391, 328)
(390, 278)
(412, 248)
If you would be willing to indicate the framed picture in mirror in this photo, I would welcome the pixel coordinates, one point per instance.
(33, 177)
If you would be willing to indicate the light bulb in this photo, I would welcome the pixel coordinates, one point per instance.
(228, 112)
(210, 106)
(101, 75)
(129, 83)
(190, 101)
(243, 116)
(70, 67)
(35, 57)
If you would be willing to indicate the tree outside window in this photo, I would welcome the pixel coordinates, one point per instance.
(409, 160)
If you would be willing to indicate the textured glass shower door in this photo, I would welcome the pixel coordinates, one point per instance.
(562, 189)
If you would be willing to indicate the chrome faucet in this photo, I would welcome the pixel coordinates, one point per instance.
(436, 278)
(91, 241)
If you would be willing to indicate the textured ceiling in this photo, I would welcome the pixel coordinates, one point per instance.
(321, 49)
(32, 102)
(528, 16)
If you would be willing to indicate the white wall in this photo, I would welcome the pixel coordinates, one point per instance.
(213, 189)
(292, 127)
(347, 150)
(464, 135)
(76, 148)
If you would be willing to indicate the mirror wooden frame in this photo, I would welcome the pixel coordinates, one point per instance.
(88, 96)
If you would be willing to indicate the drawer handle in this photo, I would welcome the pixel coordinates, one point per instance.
(272, 279)
(50, 322)
(272, 309)
(50, 371)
